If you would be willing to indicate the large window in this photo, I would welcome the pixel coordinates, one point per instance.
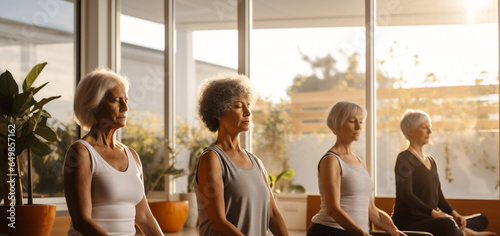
(305, 57)
(30, 32)
(442, 58)
(206, 45)
(142, 43)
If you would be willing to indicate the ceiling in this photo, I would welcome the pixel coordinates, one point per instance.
(221, 14)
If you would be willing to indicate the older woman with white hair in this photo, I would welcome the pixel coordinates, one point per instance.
(103, 177)
(420, 203)
(345, 186)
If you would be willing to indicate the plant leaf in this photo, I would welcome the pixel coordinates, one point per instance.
(286, 174)
(38, 147)
(34, 120)
(8, 88)
(46, 114)
(47, 133)
(298, 188)
(21, 103)
(35, 90)
(44, 101)
(22, 143)
(31, 77)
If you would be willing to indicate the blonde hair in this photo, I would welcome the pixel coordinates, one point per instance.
(340, 112)
(412, 119)
(90, 92)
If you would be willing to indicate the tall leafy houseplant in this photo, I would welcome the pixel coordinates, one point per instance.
(23, 126)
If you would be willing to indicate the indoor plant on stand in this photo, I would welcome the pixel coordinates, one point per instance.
(23, 130)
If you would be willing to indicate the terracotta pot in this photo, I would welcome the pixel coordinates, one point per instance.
(170, 215)
(33, 220)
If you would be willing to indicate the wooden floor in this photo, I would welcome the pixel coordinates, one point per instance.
(61, 226)
(194, 232)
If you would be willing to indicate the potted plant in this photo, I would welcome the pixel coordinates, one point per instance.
(23, 129)
(143, 135)
(194, 139)
(171, 215)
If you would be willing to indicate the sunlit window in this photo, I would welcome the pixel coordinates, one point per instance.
(30, 32)
(441, 58)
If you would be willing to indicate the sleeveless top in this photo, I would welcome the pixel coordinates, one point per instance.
(356, 188)
(114, 194)
(246, 196)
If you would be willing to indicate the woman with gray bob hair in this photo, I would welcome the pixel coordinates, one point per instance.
(231, 185)
(345, 186)
(339, 114)
(412, 119)
(103, 183)
(420, 203)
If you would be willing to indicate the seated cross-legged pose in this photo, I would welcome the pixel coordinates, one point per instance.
(420, 203)
(103, 177)
(231, 184)
(345, 186)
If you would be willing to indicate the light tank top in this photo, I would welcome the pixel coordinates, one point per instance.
(114, 194)
(246, 197)
(356, 188)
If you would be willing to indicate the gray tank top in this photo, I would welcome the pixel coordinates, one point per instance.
(246, 197)
(356, 188)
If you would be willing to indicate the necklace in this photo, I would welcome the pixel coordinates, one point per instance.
(423, 158)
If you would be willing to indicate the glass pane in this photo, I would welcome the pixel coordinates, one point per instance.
(30, 32)
(305, 57)
(206, 44)
(440, 57)
(142, 47)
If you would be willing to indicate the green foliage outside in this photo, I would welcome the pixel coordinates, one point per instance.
(144, 133)
(193, 139)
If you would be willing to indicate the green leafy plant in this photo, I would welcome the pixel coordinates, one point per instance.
(23, 126)
(274, 182)
(195, 139)
(144, 133)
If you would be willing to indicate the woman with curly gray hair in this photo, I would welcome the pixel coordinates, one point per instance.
(231, 183)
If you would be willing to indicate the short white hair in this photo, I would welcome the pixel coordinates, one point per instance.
(90, 92)
(412, 119)
(341, 111)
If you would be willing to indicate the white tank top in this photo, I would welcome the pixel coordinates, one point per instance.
(114, 194)
(356, 188)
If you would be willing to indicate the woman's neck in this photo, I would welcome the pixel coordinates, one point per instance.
(418, 149)
(228, 141)
(342, 148)
(103, 137)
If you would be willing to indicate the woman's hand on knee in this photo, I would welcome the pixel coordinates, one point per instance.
(439, 214)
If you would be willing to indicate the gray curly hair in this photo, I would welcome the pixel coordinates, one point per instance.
(217, 95)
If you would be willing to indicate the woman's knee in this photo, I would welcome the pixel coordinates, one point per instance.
(477, 222)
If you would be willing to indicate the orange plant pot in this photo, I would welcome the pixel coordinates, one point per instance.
(33, 220)
(171, 215)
